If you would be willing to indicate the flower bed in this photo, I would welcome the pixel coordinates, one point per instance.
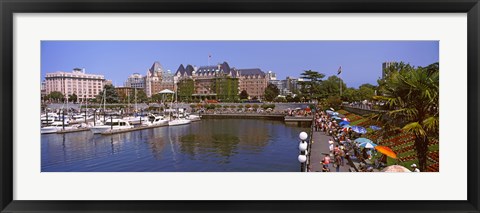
(433, 167)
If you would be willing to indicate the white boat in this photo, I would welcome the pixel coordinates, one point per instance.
(55, 127)
(156, 121)
(111, 124)
(135, 120)
(179, 121)
(49, 118)
(193, 118)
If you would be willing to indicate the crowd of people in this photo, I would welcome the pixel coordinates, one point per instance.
(344, 151)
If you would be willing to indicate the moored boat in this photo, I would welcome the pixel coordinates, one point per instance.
(111, 124)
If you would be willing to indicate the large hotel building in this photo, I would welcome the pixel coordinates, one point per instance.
(204, 78)
(85, 86)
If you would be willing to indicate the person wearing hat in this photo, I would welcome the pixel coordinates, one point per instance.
(414, 167)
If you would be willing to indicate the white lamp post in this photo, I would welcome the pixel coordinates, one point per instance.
(302, 146)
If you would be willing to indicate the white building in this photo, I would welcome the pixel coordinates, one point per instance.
(76, 82)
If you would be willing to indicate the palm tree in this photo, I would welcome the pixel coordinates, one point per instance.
(412, 98)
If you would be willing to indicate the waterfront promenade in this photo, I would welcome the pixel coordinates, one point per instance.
(319, 147)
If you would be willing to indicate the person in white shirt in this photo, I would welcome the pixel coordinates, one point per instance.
(414, 167)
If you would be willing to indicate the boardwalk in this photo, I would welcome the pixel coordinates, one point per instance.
(320, 146)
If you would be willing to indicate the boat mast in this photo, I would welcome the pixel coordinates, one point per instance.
(136, 109)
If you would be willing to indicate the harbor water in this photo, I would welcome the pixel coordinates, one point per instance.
(209, 145)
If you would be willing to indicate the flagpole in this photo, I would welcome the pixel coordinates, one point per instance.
(340, 83)
(340, 80)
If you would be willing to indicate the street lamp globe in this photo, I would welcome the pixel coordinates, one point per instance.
(302, 146)
(302, 158)
(303, 136)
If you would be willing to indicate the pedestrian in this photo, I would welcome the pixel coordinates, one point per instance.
(325, 167)
(330, 146)
(336, 150)
(338, 163)
(326, 159)
(414, 167)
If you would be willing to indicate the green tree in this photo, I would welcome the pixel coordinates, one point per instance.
(110, 94)
(331, 87)
(334, 102)
(393, 68)
(157, 98)
(141, 96)
(226, 88)
(311, 87)
(56, 96)
(186, 88)
(366, 91)
(73, 98)
(411, 96)
(244, 94)
(350, 95)
(271, 92)
(280, 99)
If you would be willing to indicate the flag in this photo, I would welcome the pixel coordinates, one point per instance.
(339, 70)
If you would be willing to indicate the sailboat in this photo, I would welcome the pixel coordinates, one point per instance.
(180, 118)
(139, 119)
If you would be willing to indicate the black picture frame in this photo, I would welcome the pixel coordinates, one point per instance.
(9, 7)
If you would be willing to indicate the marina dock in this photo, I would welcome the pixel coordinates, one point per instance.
(116, 131)
(73, 130)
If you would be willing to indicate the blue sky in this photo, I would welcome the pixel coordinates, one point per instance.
(361, 61)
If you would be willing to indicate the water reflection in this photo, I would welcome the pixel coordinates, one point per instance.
(208, 145)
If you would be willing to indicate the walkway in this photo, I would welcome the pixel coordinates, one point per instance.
(319, 147)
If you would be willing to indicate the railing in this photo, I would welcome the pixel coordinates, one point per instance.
(310, 140)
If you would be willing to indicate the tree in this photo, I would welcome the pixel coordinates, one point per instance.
(56, 96)
(271, 92)
(73, 98)
(331, 87)
(411, 96)
(226, 88)
(156, 98)
(311, 87)
(186, 87)
(393, 68)
(110, 94)
(334, 102)
(280, 99)
(366, 91)
(243, 94)
(140, 97)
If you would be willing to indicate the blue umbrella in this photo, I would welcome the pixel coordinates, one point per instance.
(347, 126)
(375, 128)
(359, 129)
(368, 145)
(363, 140)
(343, 123)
